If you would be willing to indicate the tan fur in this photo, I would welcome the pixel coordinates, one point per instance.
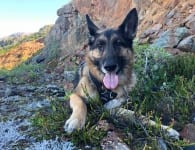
(94, 69)
(110, 53)
(87, 87)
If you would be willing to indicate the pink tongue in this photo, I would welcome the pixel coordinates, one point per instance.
(110, 80)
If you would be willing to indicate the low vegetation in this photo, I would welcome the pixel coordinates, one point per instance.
(24, 73)
(165, 92)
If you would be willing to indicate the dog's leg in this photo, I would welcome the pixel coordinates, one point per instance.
(78, 116)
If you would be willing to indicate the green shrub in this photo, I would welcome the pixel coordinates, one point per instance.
(164, 92)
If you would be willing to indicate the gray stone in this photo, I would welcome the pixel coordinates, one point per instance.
(2, 78)
(171, 38)
(171, 14)
(187, 44)
(9, 134)
(69, 75)
(190, 22)
(161, 144)
(152, 30)
(54, 90)
(188, 132)
(51, 145)
(39, 58)
(113, 142)
(66, 9)
(67, 35)
(8, 92)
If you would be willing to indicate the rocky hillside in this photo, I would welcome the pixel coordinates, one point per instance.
(19, 54)
(11, 39)
(19, 47)
(164, 23)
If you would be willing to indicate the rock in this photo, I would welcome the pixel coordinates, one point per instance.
(8, 92)
(22, 90)
(162, 145)
(9, 134)
(67, 35)
(152, 30)
(190, 22)
(38, 104)
(25, 88)
(104, 125)
(2, 78)
(102, 10)
(187, 44)
(188, 132)
(39, 58)
(171, 14)
(54, 90)
(69, 75)
(113, 142)
(52, 144)
(149, 34)
(171, 38)
(65, 10)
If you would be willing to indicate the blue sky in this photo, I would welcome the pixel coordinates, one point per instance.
(27, 15)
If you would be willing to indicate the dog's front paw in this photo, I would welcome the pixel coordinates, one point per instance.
(74, 123)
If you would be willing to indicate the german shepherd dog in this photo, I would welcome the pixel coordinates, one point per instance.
(107, 71)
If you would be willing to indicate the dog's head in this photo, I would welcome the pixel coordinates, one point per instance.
(111, 53)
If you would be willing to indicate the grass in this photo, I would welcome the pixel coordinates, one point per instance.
(166, 87)
(49, 122)
(164, 92)
(23, 73)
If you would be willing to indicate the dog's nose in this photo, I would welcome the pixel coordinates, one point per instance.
(110, 68)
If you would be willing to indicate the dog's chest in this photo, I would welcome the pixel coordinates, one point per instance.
(105, 94)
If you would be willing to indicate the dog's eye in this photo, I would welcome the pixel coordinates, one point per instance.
(117, 43)
(100, 45)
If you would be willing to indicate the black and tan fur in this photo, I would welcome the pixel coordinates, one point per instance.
(110, 51)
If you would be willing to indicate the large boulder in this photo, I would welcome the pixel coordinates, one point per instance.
(171, 38)
(187, 44)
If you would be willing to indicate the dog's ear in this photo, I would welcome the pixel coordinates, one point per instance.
(91, 26)
(129, 26)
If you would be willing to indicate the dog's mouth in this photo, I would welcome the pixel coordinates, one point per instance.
(110, 80)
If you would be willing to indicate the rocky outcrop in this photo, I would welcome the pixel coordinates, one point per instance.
(20, 53)
(169, 24)
(67, 35)
(187, 44)
(105, 12)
